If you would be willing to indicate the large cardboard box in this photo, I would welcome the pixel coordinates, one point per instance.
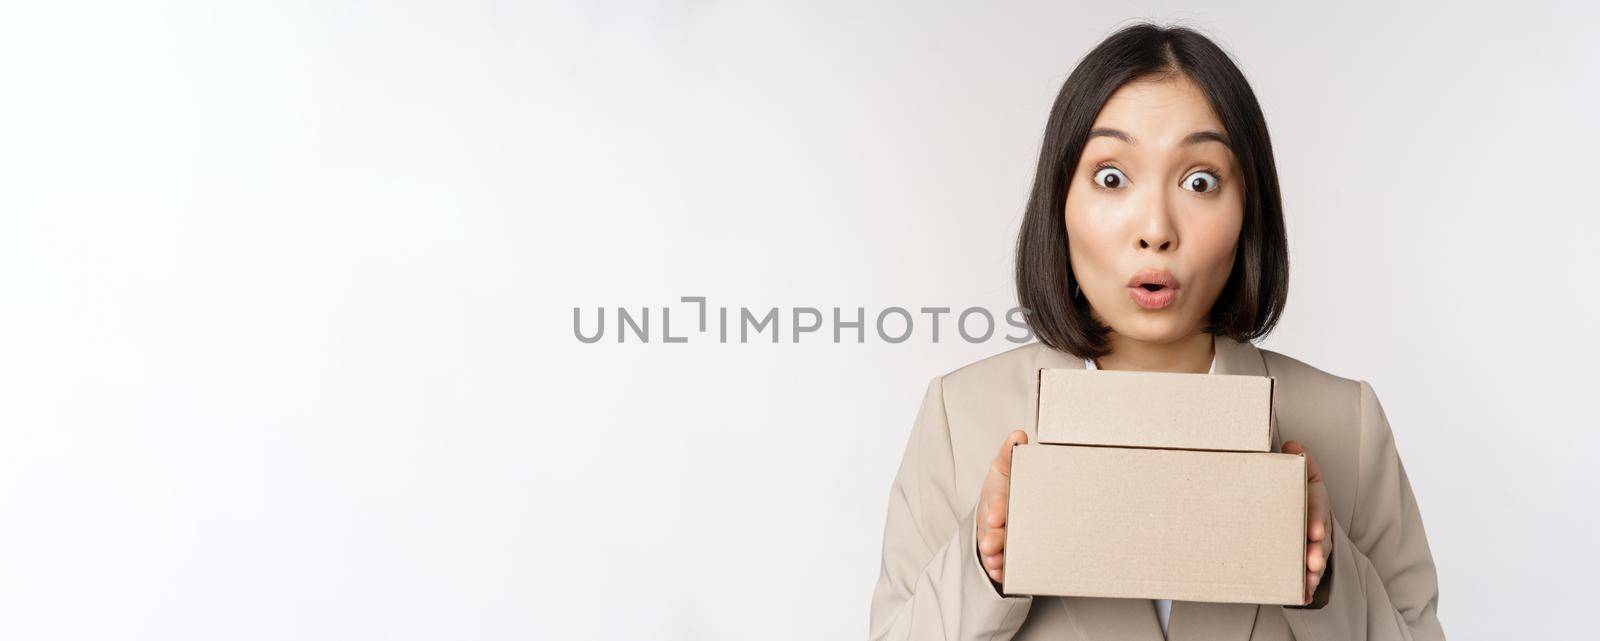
(1131, 516)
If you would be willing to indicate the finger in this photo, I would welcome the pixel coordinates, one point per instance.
(1316, 515)
(1316, 561)
(1317, 504)
(995, 512)
(1317, 523)
(1002, 463)
(994, 541)
(999, 502)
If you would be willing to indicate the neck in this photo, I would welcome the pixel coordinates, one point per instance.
(1190, 354)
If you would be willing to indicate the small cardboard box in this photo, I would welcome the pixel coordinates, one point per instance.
(1169, 490)
(1155, 409)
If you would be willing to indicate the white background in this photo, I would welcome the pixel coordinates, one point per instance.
(286, 298)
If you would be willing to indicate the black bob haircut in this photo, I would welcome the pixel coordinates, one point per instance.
(1253, 298)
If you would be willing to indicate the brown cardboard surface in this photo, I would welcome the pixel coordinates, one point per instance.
(1155, 409)
(1157, 524)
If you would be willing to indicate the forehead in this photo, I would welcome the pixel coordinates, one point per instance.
(1163, 109)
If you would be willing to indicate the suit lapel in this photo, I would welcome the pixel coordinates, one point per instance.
(1095, 619)
(1234, 357)
(1204, 621)
(1049, 357)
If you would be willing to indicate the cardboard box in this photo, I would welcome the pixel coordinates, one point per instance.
(1156, 486)
(1156, 524)
(1155, 409)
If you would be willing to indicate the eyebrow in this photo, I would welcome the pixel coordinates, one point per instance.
(1191, 139)
(1205, 136)
(1112, 133)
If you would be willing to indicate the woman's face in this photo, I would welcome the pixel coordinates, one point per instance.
(1154, 210)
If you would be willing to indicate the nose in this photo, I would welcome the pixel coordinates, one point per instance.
(1155, 229)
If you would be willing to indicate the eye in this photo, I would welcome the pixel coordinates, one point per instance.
(1110, 178)
(1201, 181)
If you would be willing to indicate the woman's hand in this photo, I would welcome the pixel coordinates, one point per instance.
(1319, 523)
(992, 504)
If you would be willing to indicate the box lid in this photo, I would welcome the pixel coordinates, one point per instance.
(1226, 412)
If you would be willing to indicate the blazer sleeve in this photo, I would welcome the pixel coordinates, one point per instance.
(1381, 582)
(931, 584)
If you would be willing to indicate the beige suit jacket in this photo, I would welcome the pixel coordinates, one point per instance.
(1382, 583)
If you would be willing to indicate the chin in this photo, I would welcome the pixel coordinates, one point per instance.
(1153, 327)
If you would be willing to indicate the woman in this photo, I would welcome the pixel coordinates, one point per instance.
(1153, 240)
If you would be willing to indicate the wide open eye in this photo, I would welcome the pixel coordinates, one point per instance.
(1110, 178)
(1201, 181)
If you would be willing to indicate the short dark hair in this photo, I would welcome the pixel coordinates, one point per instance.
(1253, 298)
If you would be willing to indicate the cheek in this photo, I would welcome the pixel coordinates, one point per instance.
(1091, 236)
(1215, 238)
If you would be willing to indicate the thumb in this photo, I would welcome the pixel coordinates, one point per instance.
(1003, 462)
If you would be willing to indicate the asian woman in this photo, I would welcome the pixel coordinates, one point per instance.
(1153, 240)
